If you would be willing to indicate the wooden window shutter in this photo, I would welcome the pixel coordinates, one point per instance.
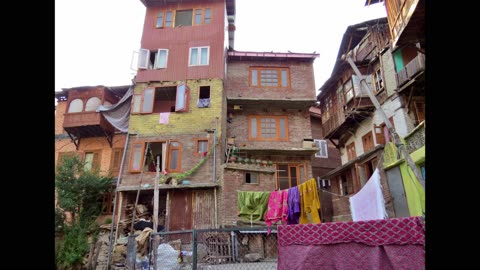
(136, 157)
(148, 99)
(116, 160)
(420, 111)
(96, 160)
(379, 137)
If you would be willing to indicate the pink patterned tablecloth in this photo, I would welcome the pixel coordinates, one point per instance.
(396, 243)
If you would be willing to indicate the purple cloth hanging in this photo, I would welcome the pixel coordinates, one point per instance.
(293, 215)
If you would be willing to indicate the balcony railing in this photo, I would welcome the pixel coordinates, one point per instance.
(416, 138)
(411, 69)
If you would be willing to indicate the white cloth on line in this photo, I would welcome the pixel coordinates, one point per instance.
(368, 203)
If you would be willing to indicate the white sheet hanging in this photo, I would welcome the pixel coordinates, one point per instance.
(368, 203)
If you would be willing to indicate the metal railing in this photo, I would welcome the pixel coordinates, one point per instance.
(206, 249)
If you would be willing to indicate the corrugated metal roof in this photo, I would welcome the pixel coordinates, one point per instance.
(239, 55)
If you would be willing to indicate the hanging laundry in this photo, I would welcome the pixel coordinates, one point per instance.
(309, 202)
(293, 214)
(277, 208)
(252, 205)
(368, 203)
(164, 118)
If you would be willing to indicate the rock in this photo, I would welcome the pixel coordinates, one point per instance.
(253, 257)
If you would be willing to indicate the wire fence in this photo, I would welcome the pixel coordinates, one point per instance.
(204, 249)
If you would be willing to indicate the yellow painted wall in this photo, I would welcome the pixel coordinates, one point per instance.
(193, 121)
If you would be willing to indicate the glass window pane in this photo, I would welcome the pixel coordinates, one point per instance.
(207, 16)
(92, 104)
(159, 20)
(204, 56)
(193, 56)
(254, 78)
(161, 61)
(168, 19)
(88, 162)
(148, 100)
(180, 98)
(253, 126)
(183, 18)
(75, 106)
(174, 159)
(284, 78)
(198, 16)
(137, 100)
(283, 130)
(137, 157)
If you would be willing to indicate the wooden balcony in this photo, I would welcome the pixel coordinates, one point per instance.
(87, 124)
(344, 121)
(413, 68)
(406, 21)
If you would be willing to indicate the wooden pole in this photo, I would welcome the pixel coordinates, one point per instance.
(155, 196)
(389, 125)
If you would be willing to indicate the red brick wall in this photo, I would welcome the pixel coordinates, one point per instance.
(233, 181)
(301, 78)
(59, 116)
(188, 160)
(298, 128)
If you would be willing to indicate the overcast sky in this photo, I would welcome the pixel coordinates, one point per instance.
(94, 39)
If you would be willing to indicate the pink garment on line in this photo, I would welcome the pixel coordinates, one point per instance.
(164, 118)
(277, 208)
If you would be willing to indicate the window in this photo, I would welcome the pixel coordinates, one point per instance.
(208, 16)
(161, 59)
(367, 141)
(92, 161)
(198, 56)
(204, 97)
(107, 202)
(348, 90)
(419, 107)
(251, 178)
(322, 144)
(183, 17)
(346, 183)
(340, 97)
(116, 160)
(76, 105)
(382, 135)
(167, 154)
(351, 151)
(92, 104)
(378, 82)
(159, 22)
(152, 59)
(289, 175)
(269, 77)
(169, 19)
(162, 99)
(201, 147)
(174, 157)
(62, 156)
(268, 128)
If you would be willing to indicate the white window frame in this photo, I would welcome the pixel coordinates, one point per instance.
(199, 56)
(320, 153)
(144, 55)
(157, 59)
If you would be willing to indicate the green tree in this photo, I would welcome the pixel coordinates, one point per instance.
(79, 192)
